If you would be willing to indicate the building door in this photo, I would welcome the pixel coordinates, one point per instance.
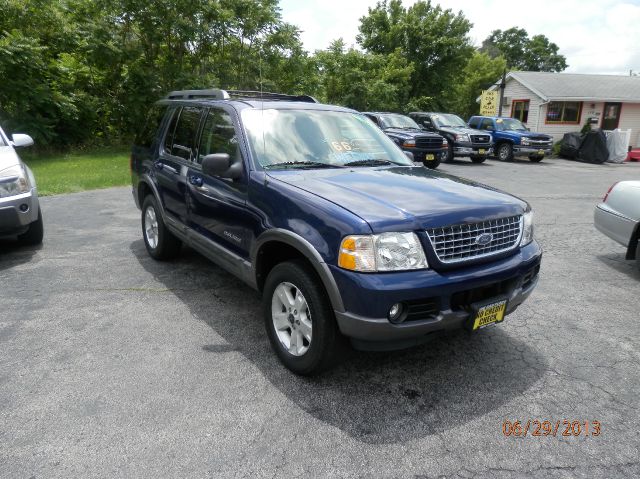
(611, 116)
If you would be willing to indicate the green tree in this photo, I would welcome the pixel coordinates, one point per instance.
(434, 41)
(524, 53)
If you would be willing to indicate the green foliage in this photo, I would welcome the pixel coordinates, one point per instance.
(432, 40)
(480, 72)
(523, 53)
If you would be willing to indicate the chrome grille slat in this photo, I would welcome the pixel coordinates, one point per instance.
(457, 243)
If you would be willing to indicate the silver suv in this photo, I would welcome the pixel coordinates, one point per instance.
(20, 213)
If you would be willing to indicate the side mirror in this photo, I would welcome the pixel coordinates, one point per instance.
(220, 164)
(21, 140)
(409, 155)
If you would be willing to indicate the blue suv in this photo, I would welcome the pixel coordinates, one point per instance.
(317, 209)
(512, 138)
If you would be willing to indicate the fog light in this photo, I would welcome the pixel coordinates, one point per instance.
(24, 207)
(395, 313)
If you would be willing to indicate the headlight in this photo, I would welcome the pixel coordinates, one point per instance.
(525, 141)
(14, 181)
(527, 228)
(445, 143)
(462, 137)
(383, 252)
(409, 143)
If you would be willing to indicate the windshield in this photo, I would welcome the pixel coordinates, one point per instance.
(510, 124)
(398, 121)
(316, 139)
(443, 120)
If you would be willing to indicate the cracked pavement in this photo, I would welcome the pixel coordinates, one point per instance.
(114, 365)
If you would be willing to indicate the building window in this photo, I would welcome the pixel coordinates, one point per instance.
(520, 110)
(564, 112)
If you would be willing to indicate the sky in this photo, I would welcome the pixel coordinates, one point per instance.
(596, 36)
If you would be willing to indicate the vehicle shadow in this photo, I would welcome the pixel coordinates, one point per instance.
(13, 253)
(618, 262)
(377, 398)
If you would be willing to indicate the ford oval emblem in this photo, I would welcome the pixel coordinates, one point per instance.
(484, 239)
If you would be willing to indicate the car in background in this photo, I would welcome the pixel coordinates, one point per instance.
(512, 139)
(20, 213)
(462, 140)
(429, 148)
(618, 216)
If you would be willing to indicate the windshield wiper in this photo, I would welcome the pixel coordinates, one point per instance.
(370, 162)
(301, 164)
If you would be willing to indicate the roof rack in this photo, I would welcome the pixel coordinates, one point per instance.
(265, 95)
(213, 93)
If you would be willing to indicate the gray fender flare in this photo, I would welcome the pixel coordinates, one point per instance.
(310, 253)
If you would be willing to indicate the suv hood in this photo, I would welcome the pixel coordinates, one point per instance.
(409, 134)
(8, 157)
(401, 198)
(527, 134)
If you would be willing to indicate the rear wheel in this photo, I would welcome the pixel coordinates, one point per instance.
(478, 159)
(33, 236)
(299, 320)
(505, 152)
(536, 158)
(160, 242)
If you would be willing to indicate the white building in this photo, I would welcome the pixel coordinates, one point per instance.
(558, 103)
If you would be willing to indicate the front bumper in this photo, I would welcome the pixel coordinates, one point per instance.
(368, 297)
(472, 150)
(531, 150)
(18, 212)
(421, 154)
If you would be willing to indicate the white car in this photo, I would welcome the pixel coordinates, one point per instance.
(20, 213)
(618, 216)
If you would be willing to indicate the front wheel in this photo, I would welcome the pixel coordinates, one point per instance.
(299, 320)
(638, 254)
(160, 242)
(505, 152)
(536, 158)
(449, 156)
(478, 159)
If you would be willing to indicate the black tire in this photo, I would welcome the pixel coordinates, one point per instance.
(638, 254)
(433, 164)
(536, 158)
(33, 236)
(327, 344)
(504, 152)
(478, 159)
(449, 156)
(167, 245)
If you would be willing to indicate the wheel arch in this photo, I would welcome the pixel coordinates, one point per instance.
(277, 245)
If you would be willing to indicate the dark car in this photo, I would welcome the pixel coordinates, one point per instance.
(512, 138)
(462, 140)
(429, 148)
(318, 210)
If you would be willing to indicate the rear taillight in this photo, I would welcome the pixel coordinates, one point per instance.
(604, 200)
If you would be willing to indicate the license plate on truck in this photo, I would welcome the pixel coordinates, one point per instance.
(487, 314)
(430, 157)
(541, 152)
(481, 151)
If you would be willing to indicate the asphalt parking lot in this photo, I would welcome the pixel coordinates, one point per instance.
(114, 365)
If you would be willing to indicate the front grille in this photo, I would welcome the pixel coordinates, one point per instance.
(427, 142)
(457, 243)
(480, 139)
(421, 309)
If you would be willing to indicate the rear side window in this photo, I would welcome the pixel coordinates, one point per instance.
(181, 135)
(218, 135)
(152, 123)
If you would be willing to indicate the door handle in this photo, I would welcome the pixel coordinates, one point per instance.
(161, 166)
(196, 181)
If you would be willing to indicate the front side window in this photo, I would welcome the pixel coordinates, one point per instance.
(564, 112)
(486, 124)
(317, 138)
(218, 135)
(520, 110)
(184, 135)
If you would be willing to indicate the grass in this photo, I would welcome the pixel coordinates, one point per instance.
(79, 171)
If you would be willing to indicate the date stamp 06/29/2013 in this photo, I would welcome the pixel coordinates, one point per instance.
(546, 428)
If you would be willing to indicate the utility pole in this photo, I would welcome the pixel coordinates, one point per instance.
(503, 85)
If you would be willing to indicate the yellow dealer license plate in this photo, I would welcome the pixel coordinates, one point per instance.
(430, 157)
(489, 314)
(541, 152)
(481, 151)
